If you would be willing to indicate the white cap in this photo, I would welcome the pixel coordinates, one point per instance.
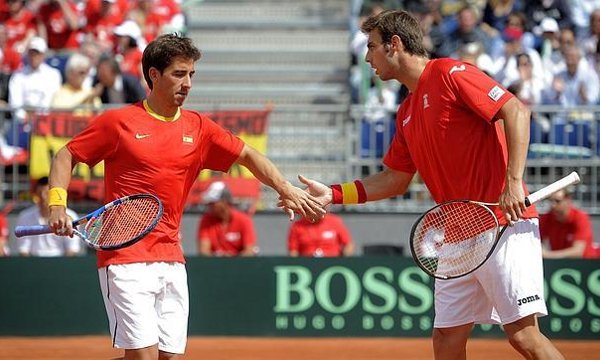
(38, 44)
(216, 191)
(548, 24)
(128, 28)
(110, 1)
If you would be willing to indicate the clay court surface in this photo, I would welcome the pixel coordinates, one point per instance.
(221, 348)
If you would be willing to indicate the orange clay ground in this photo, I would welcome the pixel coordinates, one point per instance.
(233, 348)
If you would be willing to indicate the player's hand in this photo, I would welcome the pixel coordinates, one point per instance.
(295, 200)
(512, 201)
(320, 191)
(60, 223)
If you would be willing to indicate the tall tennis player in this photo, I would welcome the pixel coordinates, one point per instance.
(157, 147)
(467, 137)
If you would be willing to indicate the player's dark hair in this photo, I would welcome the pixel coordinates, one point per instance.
(163, 50)
(401, 23)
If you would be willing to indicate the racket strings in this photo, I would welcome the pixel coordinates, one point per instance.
(123, 222)
(454, 238)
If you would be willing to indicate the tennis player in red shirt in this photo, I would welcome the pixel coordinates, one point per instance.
(468, 138)
(157, 147)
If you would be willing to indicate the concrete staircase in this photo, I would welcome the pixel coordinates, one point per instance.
(290, 54)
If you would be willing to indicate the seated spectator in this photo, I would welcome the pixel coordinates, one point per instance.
(530, 89)
(157, 17)
(117, 88)
(566, 230)
(102, 17)
(47, 245)
(325, 238)
(33, 87)
(575, 86)
(590, 42)
(10, 60)
(129, 48)
(4, 251)
(224, 230)
(73, 93)
(61, 24)
(20, 25)
(469, 30)
(508, 71)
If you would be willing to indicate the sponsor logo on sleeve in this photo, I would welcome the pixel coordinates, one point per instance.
(496, 93)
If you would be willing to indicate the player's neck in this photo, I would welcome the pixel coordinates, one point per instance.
(411, 71)
(161, 108)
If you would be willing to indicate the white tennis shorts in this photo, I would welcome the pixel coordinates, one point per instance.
(506, 288)
(146, 304)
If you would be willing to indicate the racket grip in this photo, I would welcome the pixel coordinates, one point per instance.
(572, 178)
(32, 230)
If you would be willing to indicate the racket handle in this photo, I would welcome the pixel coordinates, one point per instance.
(572, 178)
(32, 230)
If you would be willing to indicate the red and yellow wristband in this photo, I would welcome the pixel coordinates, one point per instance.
(57, 196)
(349, 193)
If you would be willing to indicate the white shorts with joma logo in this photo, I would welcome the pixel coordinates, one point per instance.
(146, 304)
(506, 288)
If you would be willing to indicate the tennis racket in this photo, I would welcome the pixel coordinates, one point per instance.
(456, 237)
(116, 225)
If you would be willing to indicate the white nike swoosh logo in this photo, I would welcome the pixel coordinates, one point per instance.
(141, 136)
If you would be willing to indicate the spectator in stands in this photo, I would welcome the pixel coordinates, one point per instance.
(324, 238)
(536, 10)
(33, 86)
(509, 72)
(566, 230)
(224, 230)
(577, 85)
(469, 30)
(530, 87)
(20, 25)
(157, 17)
(10, 60)
(549, 48)
(581, 12)
(130, 44)
(495, 15)
(117, 88)
(48, 244)
(60, 23)
(590, 40)
(4, 232)
(73, 93)
(102, 17)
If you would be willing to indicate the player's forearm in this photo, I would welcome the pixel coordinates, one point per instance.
(263, 169)
(516, 126)
(386, 184)
(61, 168)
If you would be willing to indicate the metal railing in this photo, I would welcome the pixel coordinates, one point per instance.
(333, 143)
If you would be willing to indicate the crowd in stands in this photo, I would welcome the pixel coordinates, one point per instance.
(544, 51)
(65, 54)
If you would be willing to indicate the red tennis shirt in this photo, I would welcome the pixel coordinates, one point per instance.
(143, 154)
(445, 131)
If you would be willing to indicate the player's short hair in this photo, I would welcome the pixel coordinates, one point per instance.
(162, 51)
(401, 23)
